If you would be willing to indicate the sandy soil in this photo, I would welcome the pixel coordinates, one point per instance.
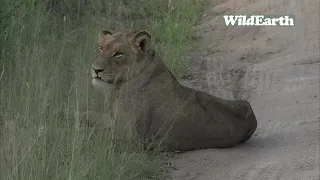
(277, 70)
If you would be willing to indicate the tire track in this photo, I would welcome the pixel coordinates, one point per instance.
(263, 170)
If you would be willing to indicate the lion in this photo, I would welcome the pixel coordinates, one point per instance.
(145, 94)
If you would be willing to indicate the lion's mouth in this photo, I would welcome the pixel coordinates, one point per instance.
(110, 82)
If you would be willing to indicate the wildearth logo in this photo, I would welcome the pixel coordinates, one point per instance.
(258, 20)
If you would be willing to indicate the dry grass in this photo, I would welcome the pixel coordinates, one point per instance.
(47, 48)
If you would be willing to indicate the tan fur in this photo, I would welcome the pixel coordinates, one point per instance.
(145, 94)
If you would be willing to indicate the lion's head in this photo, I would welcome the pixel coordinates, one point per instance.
(120, 57)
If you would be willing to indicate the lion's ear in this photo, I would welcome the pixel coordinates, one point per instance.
(143, 40)
(103, 34)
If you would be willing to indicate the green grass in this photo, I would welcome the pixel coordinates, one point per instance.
(46, 53)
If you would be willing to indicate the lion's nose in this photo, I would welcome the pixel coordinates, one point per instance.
(97, 71)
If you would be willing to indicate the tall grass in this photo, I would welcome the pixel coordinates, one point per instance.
(47, 47)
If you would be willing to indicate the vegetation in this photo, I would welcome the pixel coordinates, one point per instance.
(47, 47)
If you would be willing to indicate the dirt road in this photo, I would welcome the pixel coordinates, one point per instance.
(277, 70)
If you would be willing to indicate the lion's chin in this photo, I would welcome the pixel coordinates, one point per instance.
(100, 84)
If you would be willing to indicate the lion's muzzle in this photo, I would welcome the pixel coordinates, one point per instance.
(100, 77)
(96, 72)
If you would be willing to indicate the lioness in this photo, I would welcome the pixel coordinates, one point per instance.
(144, 92)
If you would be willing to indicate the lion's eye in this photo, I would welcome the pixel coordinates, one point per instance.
(100, 48)
(118, 54)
